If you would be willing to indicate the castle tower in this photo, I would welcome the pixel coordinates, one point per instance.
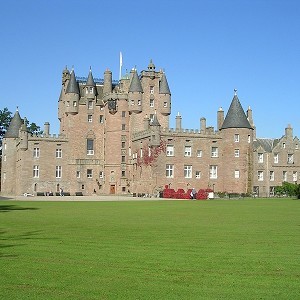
(165, 97)
(237, 135)
(9, 156)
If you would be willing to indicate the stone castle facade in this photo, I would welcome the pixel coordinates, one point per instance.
(115, 139)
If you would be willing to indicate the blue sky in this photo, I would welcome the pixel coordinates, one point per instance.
(206, 47)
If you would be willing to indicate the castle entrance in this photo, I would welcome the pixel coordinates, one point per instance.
(112, 189)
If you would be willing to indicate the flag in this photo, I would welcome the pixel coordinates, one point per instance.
(121, 59)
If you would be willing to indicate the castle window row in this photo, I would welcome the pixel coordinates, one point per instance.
(290, 158)
(36, 152)
(284, 176)
(188, 172)
(199, 153)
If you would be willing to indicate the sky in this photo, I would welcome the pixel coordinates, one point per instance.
(207, 48)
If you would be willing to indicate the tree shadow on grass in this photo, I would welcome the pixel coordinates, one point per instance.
(11, 241)
(11, 207)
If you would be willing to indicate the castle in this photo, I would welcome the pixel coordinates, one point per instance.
(115, 139)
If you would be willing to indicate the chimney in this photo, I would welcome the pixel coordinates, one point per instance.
(220, 117)
(47, 129)
(178, 122)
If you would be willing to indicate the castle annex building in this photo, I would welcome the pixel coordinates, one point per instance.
(115, 139)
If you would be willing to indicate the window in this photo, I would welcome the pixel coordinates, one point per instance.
(170, 171)
(214, 152)
(90, 118)
(260, 175)
(77, 174)
(290, 159)
(74, 103)
(4, 157)
(198, 174)
(296, 147)
(123, 114)
(236, 138)
(123, 144)
(284, 176)
(139, 102)
(272, 176)
(199, 153)
(91, 89)
(89, 173)
(236, 152)
(68, 103)
(295, 176)
(213, 172)
(165, 104)
(36, 171)
(236, 174)
(123, 126)
(58, 153)
(151, 89)
(101, 174)
(123, 158)
(187, 171)
(283, 145)
(90, 105)
(132, 102)
(5, 146)
(36, 152)
(58, 171)
(260, 157)
(90, 147)
(187, 151)
(123, 174)
(249, 139)
(170, 150)
(151, 102)
(101, 119)
(276, 156)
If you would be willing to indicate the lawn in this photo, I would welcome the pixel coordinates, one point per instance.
(219, 249)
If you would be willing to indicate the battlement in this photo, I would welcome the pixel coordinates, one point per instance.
(47, 137)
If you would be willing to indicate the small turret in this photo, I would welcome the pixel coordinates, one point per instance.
(165, 96)
(23, 135)
(14, 126)
(155, 128)
(72, 95)
(135, 94)
(90, 86)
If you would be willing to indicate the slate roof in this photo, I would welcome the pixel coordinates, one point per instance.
(72, 85)
(135, 85)
(267, 144)
(163, 86)
(236, 117)
(90, 81)
(14, 126)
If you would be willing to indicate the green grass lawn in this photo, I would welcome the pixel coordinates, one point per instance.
(220, 249)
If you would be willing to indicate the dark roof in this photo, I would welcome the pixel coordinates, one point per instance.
(135, 85)
(155, 121)
(14, 126)
(90, 81)
(236, 117)
(163, 86)
(72, 85)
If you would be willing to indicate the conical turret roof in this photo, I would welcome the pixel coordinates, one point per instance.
(72, 85)
(14, 126)
(155, 121)
(135, 85)
(163, 86)
(236, 117)
(90, 81)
